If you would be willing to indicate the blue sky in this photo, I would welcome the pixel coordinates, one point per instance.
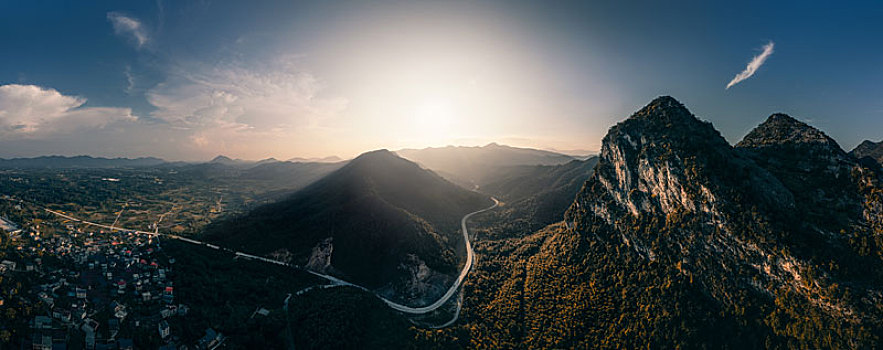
(190, 80)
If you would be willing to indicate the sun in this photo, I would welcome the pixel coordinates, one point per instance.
(433, 118)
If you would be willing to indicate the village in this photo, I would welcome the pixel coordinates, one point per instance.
(86, 288)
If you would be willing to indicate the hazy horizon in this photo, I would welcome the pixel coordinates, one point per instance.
(572, 153)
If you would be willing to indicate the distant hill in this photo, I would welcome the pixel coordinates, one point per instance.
(224, 160)
(329, 159)
(380, 221)
(581, 154)
(266, 161)
(469, 165)
(77, 162)
(244, 163)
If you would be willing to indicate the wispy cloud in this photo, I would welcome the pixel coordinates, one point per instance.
(130, 80)
(230, 104)
(127, 26)
(752, 67)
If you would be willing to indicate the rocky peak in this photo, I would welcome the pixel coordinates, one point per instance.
(807, 161)
(663, 160)
(665, 110)
(825, 181)
(375, 155)
(870, 149)
(381, 165)
(221, 159)
(662, 121)
(868, 145)
(782, 212)
(781, 129)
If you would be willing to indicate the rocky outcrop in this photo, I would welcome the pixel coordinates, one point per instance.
(781, 129)
(785, 211)
(869, 149)
(826, 182)
(663, 161)
(416, 283)
(320, 256)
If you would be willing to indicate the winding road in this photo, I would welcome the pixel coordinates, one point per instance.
(453, 290)
(334, 280)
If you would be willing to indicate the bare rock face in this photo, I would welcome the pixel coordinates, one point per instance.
(781, 212)
(664, 162)
(320, 257)
(416, 283)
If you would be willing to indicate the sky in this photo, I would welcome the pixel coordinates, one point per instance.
(189, 80)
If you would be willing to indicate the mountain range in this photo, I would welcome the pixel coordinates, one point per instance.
(380, 221)
(329, 159)
(77, 162)
(671, 237)
(679, 239)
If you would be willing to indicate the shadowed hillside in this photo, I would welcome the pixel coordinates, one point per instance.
(381, 221)
(533, 196)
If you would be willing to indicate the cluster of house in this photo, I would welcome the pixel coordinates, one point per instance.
(101, 290)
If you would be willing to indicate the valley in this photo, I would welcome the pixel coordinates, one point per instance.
(72, 218)
(520, 174)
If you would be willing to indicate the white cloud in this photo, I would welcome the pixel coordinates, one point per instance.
(128, 26)
(226, 105)
(752, 67)
(30, 111)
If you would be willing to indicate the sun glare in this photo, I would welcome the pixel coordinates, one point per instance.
(433, 118)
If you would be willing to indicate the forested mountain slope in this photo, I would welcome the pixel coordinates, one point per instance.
(532, 196)
(380, 221)
(679, 239)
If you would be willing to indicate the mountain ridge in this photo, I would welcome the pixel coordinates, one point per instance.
(869, 149)
(470, 166)
(379, 221)
(680, 239)
(81, 161)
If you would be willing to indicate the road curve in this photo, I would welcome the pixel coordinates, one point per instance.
(453, 290)
(334, 280)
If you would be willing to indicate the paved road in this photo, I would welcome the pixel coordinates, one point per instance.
(453, 290)
(334, 280)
